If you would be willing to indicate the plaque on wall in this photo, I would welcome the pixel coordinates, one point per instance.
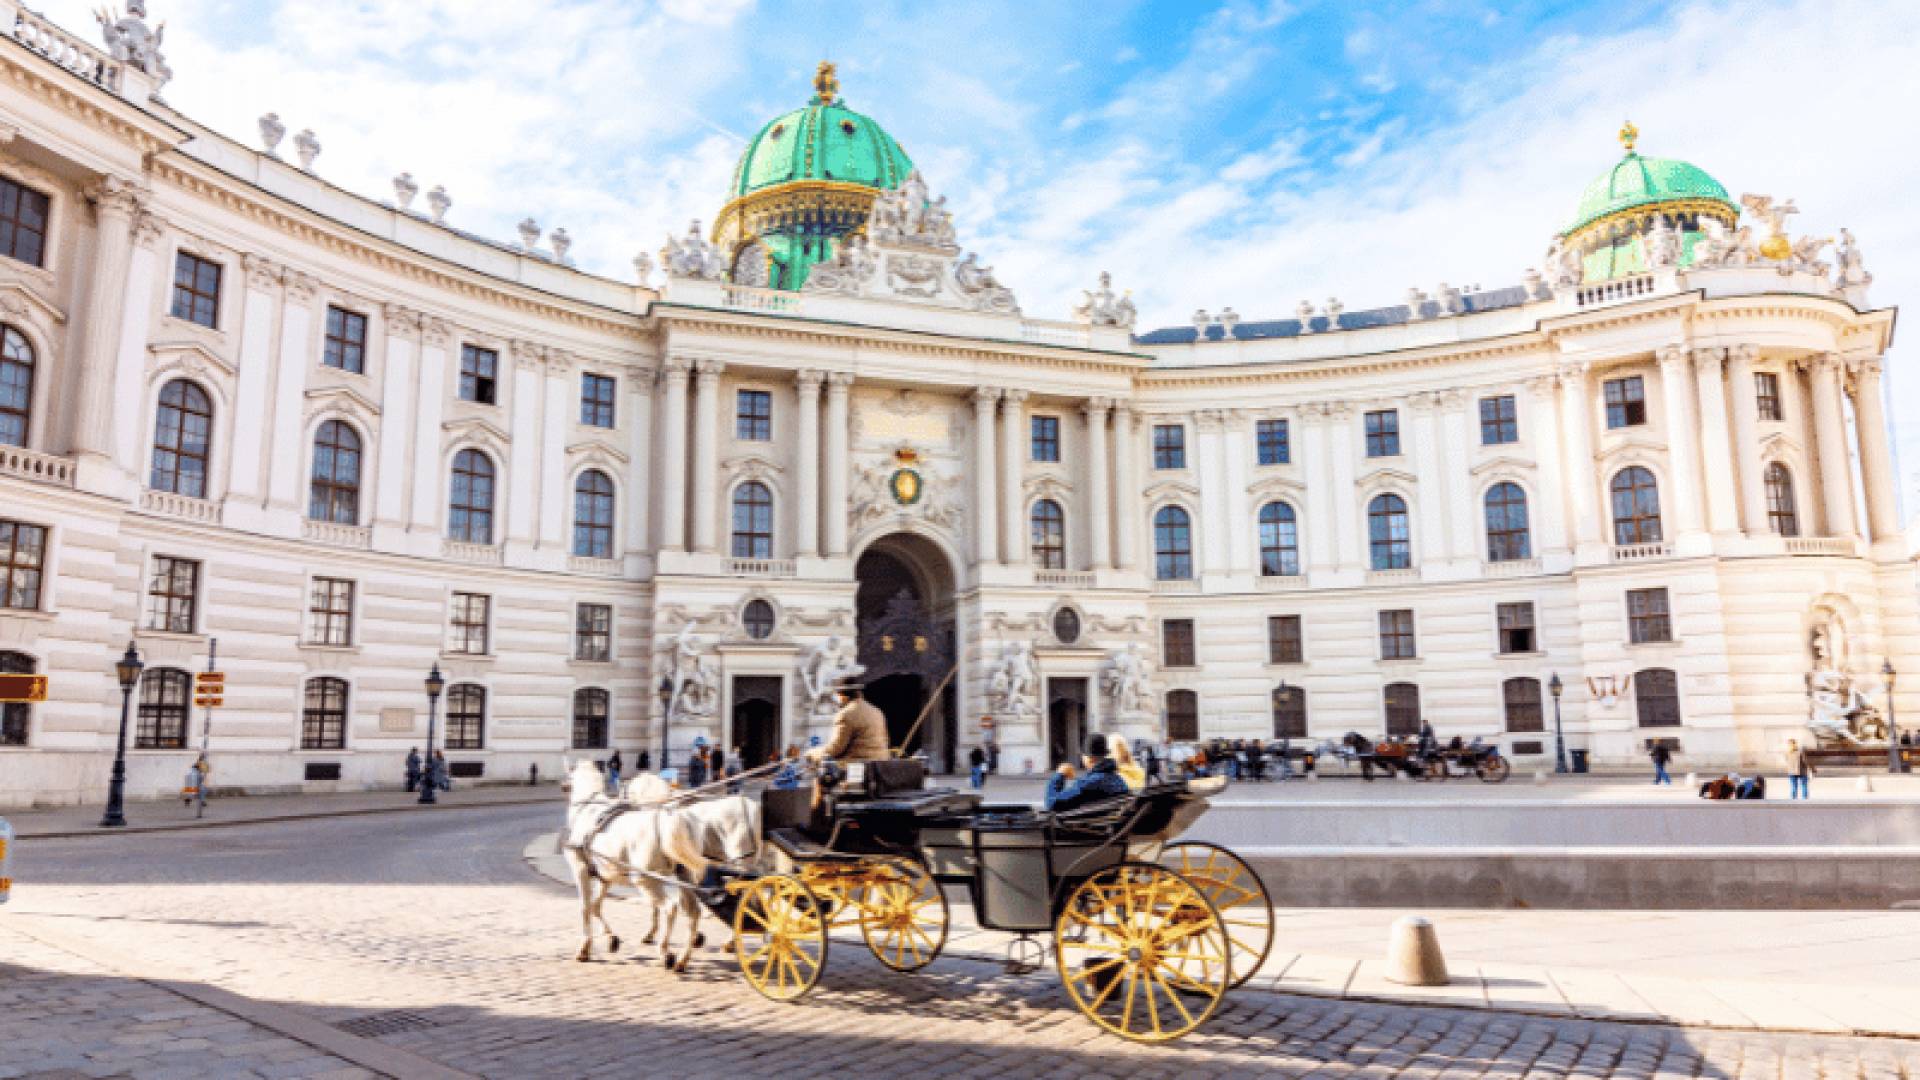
(396, 720)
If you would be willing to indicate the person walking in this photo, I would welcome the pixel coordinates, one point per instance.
(977, 767)
(1152, 756)
(733, 771)
(644, 763)
(413, 770)
(437, 774)
(199, 775)
(613, 774)
(788, 778)
(1662, 757)
(697, 764)
(1799, 770)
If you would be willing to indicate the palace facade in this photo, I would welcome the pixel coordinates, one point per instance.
(354, 444)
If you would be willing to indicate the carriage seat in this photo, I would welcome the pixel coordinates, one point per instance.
(880, 779)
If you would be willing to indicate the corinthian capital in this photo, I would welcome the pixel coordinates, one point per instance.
(675, 367)
(1710, 358)
(117, 196)
(1673, 356)
(263, 273)
(402, 321)
(809, 380)
(711, 370)
(984, 397)
(839, 381)
(1098, 406)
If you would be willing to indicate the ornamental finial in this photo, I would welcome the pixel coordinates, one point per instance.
(1629, 135)
(826, 83)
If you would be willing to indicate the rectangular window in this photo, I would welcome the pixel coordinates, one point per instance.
(1183, 716)
(1383, 433)
(593, 633)
(479, 374)
(23, 223)
(1284, 643)
(1169, 446)
(753, 420)
(1766, 395)
(23, 561)
(346, 345)
(1176, 643)
(1396, 635)
(1626, 402)
(1270, 436)
(330, 612)
(173, 595)
(1516, 629)
(1499, 423)
(1046, 438)
(467, 632)
(1289, 712)
(323, 723)
(1648, 621)
(196, 289)
(16, 717)
(1522, 700)
(596, 400)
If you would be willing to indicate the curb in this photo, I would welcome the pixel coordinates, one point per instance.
(28, 833)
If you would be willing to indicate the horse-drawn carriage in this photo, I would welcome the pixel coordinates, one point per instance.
(1405, 756)
(1148, 934)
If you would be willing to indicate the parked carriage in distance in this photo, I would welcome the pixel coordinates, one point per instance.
(1406, 757)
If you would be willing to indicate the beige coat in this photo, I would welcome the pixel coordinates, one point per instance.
(1797, 763)
(859, 734)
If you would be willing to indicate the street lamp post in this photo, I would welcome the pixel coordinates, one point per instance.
(666, 720)
(1896, 761)
(435, 683)
(128, 671)
(1556, 687)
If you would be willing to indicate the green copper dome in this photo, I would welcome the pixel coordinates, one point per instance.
(1643, 181)
(822, 141)
(1618, 209)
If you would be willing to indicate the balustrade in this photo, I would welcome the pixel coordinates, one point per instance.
(183, 507)
(473, 554)
(357, 537)
(36, 466)
(66, 50)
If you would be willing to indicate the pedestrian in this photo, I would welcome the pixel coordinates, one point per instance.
(438, 774)
(613, 773)
(194, 791)
(413, 769)
(1152, 755)
(977, 767)
(697, 764)
(644, 763)
(788, 778)
(733, 772)
(993, 756)
(1661, 758)
(1799, 771)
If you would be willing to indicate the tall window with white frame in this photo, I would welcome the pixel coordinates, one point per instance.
(1045, 438)
(334, 491)
(1172, 544)
(1183, 716)
(323, 720)
(1518, 635)
(1169, 446)
(470, 509)
(1177, 648)
(182, 440)
(1389, 536)
(1279, 541)
(479, 375)
(1285, 642)
(1396, 635)
(161, 723)
(1289, 712)
(1402, 702)
(597, 394)
(1783, 512)
(196, 290)
(1508, 537)
(1272, 444)
(1499, 421)
(173, 595)
(16, 718)
(1049, 524)
(1383, 433)
(345, 347)
(593, 633)
(753, 416)
(1649, 621)
(330, 612)
(1520, 698)
(1626, 402)
(591, 710)
(16, 387)
(752, 521)
(1766, 396)
(593, 515)
(23, 563)
(1636, 507)
(466, 717)
(468, 624)
(1656, 694)
(24, 214)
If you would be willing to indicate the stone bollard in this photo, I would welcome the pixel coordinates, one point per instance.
(1539, 778)
(1864, 784)
(1693, 781)
(1413, 954)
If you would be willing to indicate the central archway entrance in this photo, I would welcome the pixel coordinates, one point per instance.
(905, 611)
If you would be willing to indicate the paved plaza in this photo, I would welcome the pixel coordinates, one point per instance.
(423, 944)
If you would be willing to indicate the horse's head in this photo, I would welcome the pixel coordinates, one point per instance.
(584, 782)
(648, 789)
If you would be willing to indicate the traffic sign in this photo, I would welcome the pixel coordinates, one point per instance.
(210, 688)
(6, 859)
(22, 689)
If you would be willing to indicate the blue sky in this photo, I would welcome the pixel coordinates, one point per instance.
(1251, 153)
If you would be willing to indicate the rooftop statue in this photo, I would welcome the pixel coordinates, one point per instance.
(1662, 245)
(130, 41)
(1101, 307)
(1776, 246)
(693, 256)
(1853, 267)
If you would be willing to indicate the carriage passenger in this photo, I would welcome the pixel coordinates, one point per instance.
(1102, 781)
(859, 729)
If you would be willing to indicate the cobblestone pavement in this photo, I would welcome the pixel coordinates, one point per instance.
(429, 935)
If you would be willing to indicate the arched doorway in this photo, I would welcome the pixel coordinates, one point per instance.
(905, 610)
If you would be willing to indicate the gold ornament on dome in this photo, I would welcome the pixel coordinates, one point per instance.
(1629, 135)
(826, 82)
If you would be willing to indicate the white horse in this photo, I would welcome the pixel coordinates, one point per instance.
(607, 843)
(714, 831)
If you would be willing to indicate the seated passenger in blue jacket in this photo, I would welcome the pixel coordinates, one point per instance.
(1102, 781)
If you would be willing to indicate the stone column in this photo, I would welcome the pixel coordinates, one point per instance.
(1349, 541)
(431, 484)
(1099, 497)
(1876, 455)
(986, 526)
(1716, 453)
(1576, 430)
(706, 458)
(673, 453)
(1126, 491)
(252, 412)
(560, 407)
(1549, 504)
(1830, 436)
(640, 478)
(1014, 436)
(287, 458)
(1317, 457)
(1237, 446)
(1211, 525)
(1746, 440)
(524, 362)
(1464, 512)
(1430, 463)
(1682, 504)
(116, 202)
(839, 463)
(806, 452)
(129, 393)
(396, 410)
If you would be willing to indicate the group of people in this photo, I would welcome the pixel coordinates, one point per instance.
(428, 771)
(1246, 759)
(1800, 773)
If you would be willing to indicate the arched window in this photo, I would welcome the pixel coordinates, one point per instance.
(335, 497)
(590, 711)
(1172, 544)
(1388, 534)
(1403, 709)
(466, 717)
(1782, 512)
(1656, 693)
(1289, 712)
(752, 521)
(1049, 524)
(323, 723)
(162, 725)
(1279, 541)
(1507, 535)
(593, 515)
(1522, 700)
(470, 517)
(15, 717)
(1636, 507)
(182, 440)
(16, 387)
(1183, 716)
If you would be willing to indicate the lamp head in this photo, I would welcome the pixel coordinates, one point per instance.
(1886, 668)
(436, 682)
(129, 667)
(1555, 686)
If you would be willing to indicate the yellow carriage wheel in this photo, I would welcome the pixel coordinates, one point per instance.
(1237, 893)
(904, 916)
(780, 937)
(1155, 960)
